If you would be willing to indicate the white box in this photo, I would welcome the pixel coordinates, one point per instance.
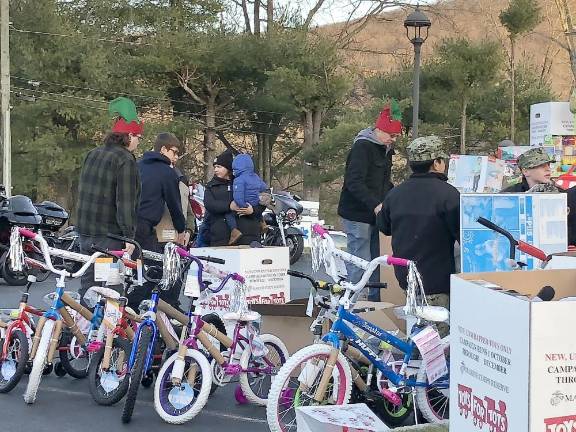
(550, 118)
(338, 418)
(538, 219)
(512, 360)
(476, 173)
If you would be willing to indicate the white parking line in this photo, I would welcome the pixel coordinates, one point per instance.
(147, 403)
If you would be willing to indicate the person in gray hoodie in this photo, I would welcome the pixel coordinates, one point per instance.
(366, 183)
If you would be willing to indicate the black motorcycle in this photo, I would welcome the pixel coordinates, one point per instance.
(280, 230)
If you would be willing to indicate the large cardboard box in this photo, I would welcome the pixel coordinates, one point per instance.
(512, 360)
(539, 219)
(550, 118)
(291, 324)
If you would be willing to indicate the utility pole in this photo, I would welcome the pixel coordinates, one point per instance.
(5, 95)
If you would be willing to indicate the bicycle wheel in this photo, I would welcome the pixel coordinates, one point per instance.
(108, 387)
(13, 367)
(433, 401)
(256, 386)
(74, 358)
(177, 404)
(39, 362)
(137, 373)
(297, 382)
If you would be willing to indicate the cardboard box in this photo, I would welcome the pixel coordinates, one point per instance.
(476, 173)
(550, 118)
(511, 359)
(538, 219)
(291, 324)
(338, 418)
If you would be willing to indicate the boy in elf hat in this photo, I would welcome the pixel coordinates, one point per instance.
(366, 183)
(109, 187)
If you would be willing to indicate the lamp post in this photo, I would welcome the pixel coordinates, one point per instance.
(417, 25)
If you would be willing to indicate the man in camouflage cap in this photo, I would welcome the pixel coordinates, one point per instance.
(535, 168)
(423, 217)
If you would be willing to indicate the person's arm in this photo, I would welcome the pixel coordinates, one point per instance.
(239, 191)
(356, 173)
(171, 194)
(213, 205)
(127, 196)
(452, 214)
(383, 219)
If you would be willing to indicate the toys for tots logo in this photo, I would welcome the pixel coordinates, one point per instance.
(560, 424)
(484, 411)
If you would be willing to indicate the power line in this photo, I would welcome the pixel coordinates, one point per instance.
(173, 119)
(30, 80)
(187, 113)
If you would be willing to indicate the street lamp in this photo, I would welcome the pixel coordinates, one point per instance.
(417, 25)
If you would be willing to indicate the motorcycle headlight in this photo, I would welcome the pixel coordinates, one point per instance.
(291, 215)
(53, 221)
(145, 306)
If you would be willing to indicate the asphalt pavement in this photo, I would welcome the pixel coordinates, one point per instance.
(65, 405)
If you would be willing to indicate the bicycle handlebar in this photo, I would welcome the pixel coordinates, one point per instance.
(521, 245)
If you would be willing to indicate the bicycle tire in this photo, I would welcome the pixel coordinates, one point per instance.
(39, 362)
(137, 373)
(278, 397)
(22, 356)
(164, 407)
(66, 357)
(426, 404)
(272, 342)
(99, 394)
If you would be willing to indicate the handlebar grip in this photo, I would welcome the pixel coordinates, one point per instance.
(238, 278)
(117, 254)
(297, 274)
(401, 262)
(377, 285)
(27, 233)
(532, 251)
(319, 229)
(212, 260)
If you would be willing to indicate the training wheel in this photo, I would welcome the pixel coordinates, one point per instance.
(240, 396)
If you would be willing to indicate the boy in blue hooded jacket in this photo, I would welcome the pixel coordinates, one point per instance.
(247, 188)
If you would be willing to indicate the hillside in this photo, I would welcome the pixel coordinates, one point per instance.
(382, 45)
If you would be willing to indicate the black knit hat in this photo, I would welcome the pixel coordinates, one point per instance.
(225, 160)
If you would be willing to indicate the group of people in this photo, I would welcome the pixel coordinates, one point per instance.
(147, 200)
(422, 214)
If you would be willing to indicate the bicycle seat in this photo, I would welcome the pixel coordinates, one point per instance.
(433, 313)
(130, 311)
(247, 316)
(102, 291)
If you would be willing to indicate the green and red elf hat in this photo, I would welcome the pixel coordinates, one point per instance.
(390, 119)
(124, 111)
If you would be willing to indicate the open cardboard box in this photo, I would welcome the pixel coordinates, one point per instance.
(291, 324)
(512, 360)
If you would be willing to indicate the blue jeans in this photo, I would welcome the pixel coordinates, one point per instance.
(362, 241)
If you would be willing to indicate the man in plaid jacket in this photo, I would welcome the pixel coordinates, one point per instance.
(109, 188)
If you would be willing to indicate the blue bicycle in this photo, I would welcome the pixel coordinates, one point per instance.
(321, 374)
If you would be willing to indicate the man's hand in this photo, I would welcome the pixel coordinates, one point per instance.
(129, 248)
(234, 206)
(181, 239)
(245, 211)
(377, 209)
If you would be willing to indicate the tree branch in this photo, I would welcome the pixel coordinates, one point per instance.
(312, 12)
(183, 80)
(227, 143)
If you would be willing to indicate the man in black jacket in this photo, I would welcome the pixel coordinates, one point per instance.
(159, 189)
(423, 217)
(366, 182)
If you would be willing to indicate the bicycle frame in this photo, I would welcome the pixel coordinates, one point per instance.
(22, 323)
(149, 320)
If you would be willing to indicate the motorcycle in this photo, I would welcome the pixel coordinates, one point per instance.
(285, 211)
(17, 211)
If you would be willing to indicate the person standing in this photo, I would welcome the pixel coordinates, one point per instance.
(423, 217)
(160, 189)
(535, 167)
(109, 187)
(366, 183)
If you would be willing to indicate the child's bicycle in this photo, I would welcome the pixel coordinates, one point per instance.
(50, 325)
(183, 383)
(320, 374)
